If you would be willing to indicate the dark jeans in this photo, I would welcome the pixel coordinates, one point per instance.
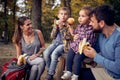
(74, 60)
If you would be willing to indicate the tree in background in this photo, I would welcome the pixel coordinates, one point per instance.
(43, 16)
(116, 5)
(7, 19)
(36, 13)
(67, 4)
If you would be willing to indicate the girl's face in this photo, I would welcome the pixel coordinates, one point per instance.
(83, 17)
(27, 27)
(63, 15)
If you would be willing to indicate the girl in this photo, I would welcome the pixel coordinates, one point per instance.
(84, 30)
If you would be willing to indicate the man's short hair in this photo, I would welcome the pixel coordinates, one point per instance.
(104, 12)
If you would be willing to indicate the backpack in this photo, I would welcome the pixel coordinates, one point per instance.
(11, 71)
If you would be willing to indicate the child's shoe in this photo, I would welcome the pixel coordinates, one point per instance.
(66, 75)
(74, 77)
(49, 77)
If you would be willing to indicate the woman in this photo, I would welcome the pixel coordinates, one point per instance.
(31, 42)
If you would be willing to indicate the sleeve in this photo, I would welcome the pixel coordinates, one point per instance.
(111, 65)
(76, 30)
(54, 32)
(90, 36)
(66, 33)
(96, 44)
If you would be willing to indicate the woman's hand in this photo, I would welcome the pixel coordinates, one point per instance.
(32, 57)
(89, 52)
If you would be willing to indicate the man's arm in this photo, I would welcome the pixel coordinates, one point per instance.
(111, 65)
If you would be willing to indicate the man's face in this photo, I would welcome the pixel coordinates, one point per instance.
(95, 24)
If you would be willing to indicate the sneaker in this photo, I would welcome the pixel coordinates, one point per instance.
(74, 77)
(49, 77)
(66, 75)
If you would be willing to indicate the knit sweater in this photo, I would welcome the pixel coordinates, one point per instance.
(109, 55)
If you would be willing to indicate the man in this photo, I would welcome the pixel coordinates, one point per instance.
(102, 19)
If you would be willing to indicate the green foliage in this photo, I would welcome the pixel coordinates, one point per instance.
(49, 15)
(116, 5)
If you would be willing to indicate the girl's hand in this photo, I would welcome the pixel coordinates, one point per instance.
(32, 57)
(76, 36)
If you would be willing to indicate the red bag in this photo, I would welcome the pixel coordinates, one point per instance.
(10, 71)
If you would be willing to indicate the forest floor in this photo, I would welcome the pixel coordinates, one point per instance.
(7, 51)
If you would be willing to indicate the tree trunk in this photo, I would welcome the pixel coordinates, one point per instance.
(36, 13)
(67, 4)
(6, 24)
(14, 11)
(64, 2)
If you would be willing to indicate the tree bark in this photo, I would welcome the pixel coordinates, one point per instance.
(36, 13)
(14, 11)
(64, 2)
(67, 4)
(6, 24)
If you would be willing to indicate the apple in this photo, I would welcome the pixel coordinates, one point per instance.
(71, 21)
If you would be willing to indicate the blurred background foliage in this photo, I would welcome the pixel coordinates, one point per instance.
(45, 14)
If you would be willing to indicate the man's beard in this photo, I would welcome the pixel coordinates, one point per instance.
(98, 31)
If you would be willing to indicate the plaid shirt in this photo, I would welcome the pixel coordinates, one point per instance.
(62, 36)
(56, 35)
(66, 37)
(84, 31)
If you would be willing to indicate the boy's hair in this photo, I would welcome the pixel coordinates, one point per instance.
(87, 10)
(65, 9)
(104, 12)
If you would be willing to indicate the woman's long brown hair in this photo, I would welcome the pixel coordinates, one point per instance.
(18, 32)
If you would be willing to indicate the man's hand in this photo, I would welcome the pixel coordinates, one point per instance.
(89, 52)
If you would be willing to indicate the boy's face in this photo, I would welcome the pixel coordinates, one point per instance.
(63, 15)
(83, 17)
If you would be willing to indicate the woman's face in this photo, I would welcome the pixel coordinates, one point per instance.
(27, 27)
(83, 17)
